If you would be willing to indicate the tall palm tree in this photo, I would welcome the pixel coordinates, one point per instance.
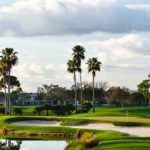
(78, 56)
(3, 74)
(72, 68)
(93, 66)
(9, 58)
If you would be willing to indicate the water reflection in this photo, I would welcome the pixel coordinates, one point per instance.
(32, 145)
(10, 145)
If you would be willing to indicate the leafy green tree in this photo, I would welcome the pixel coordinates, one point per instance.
(52, 91)
(59, 110)
(135, 98)
(118, 95)
(2, 109)
(17, 111)
(93, 66)
(16, 93)
(39, 109)
(86, 106)
(78, 56)
(47, 107)
(143, 88)
(69, 108)
(72, 68)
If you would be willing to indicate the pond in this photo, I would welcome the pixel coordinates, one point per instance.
(32, 145)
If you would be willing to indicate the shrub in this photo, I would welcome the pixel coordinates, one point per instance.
(75, 146)
(79, 133)
(2, 109)
(69, 108)
(86, 106)
(89, 140)
(39, 109)
(47, 107)
(127, 124)
(59, 110)
(17, 111)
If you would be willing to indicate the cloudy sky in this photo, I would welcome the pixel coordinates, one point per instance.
(44, 32)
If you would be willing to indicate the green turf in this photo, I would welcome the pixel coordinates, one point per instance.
(117, 111)
(110, 140)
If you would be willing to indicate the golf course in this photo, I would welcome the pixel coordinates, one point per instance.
(108, 138)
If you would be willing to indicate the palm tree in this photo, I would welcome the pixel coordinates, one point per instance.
(9, 58)
(93, 66)
(72, 68)
(3, 73)
(78, 56)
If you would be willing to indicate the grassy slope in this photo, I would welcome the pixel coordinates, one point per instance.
(117, 111)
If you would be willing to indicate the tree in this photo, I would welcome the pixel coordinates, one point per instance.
(93, 66)
(118, 95)
(59, 110)
(52, 91)
(47, 107)
(78, 56)
(3, 73)
(13, 83)
(135, 98)
(16, 93)
(39, 109)
(143, 88)
(17, 110)
(72, 68)
(9, 59)
(86, 106)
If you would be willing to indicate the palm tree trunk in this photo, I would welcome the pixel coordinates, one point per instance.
(9, 101)
(93, 96)
(6, 104)
(47, 112)
(81, 91)
(75, 90)
(145, 102)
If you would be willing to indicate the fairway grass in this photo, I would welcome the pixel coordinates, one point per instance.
(133, 111)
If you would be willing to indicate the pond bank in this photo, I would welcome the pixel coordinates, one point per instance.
(26, 133)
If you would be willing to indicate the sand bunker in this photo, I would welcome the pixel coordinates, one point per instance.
(132, 131)
(37, 123)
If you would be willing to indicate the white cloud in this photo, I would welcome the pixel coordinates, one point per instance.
(122, 48)
(61, 17)
(33, 75)
(124, 59)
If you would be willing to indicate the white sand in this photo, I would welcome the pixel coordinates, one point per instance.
(37, 123)
(132, 131)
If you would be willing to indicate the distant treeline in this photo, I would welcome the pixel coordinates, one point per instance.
(104, 94)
